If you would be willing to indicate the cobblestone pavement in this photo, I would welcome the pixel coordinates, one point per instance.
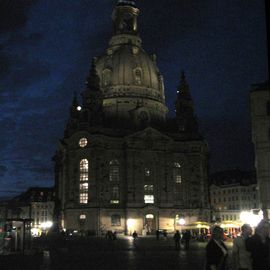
(93, 253)
(125, 253)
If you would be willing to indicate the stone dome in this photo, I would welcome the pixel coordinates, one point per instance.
(129, 78)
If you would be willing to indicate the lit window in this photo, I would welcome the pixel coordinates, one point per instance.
(177, 173)
(115, 220)
(148, 198)
(148, 187)
(147, 172)
(82, 142)
(84, 170)
(114, 170)
(149, 216)
(82, 216)
(83, 197)
(84, 187)
(114, 201)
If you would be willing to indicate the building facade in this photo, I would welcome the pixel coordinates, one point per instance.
(122, 164)
(260, 119)
(233, 193)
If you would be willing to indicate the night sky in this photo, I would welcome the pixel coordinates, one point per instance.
(46, 48)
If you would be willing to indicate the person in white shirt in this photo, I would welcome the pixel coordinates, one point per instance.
(240, 256)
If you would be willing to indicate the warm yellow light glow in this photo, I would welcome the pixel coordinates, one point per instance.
(46, 225)
(181, 221)
(35, 231)
(149, 216)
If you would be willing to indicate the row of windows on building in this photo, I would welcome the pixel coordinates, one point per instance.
(114, 176)
(234, 198)
(237, 207)
(234, 190)
(107, 76)
(42, 213)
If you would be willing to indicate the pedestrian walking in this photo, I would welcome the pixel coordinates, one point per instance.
(177, 239)
(135, 235)
(157, 234)
(240, 256)
(186, 239)
(165, 234)
(259, 246)
(216, 251)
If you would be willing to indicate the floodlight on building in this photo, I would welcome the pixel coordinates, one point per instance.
(251, 218)
(46, 225)
(130, 224)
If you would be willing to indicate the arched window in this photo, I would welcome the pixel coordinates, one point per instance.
(178, 182)
(84, 166)
(114, 170)
(177, 173)
(84, 170)
(138, 76)
(106, 77)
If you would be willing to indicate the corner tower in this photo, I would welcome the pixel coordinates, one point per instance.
(131, 83)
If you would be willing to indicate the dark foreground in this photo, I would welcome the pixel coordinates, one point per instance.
(99, 253)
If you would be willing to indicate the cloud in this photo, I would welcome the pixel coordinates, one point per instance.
(13, 14)
(3, 170)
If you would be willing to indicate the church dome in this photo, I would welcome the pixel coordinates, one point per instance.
(127, 72)
(130, 80)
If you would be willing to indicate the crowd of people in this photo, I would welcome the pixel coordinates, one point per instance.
(250, 251)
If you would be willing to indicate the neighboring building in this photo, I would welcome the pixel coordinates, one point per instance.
(36, 204)
(260, 118)
(122, 164)
(41, 202)
(233, 192)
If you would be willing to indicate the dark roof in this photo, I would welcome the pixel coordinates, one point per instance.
(233, 177)
(260, 86)
(36, 194)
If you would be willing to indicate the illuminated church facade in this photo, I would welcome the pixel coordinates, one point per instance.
(123, 165)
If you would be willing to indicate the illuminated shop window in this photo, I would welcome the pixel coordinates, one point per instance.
(114, 170)
(82, 142)
(148, 198)
(115, 220)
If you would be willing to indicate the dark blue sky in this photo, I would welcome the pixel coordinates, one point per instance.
(45, 53)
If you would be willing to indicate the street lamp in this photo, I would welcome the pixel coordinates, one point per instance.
(181, 222)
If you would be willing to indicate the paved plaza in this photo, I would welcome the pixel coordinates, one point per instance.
(123, 253)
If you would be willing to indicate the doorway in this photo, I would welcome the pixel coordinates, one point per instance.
(150, 224)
